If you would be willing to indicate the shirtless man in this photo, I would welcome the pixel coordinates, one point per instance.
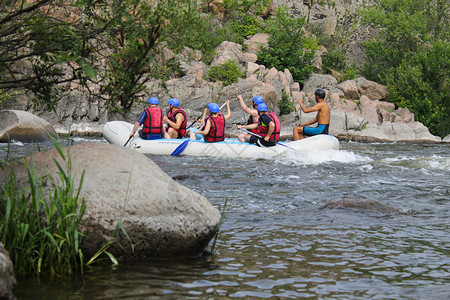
(322, 117)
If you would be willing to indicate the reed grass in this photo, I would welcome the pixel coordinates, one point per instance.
(225, 209)
(39, 223)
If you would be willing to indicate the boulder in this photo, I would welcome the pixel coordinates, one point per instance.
(163, 218)
(7, 279)
(324, 17)
(256, 42)
(227, 51)
(24, 127)
(350, 89)
(315, 81)
(371, 89)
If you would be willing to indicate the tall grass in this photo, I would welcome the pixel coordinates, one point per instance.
(225, 209)
(39, 223)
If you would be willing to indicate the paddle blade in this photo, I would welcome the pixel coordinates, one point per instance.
(180, 148)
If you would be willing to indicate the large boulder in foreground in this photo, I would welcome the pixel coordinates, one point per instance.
(24, 127)
(163, 218)
(7, 279)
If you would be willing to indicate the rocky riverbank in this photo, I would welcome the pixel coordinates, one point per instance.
(359, 109)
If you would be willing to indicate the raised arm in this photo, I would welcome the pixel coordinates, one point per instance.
(244, 106)
(229, 110)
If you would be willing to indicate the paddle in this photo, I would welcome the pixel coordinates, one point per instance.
(193, 123)
(184, 144)
(129, 139)
(257, 135)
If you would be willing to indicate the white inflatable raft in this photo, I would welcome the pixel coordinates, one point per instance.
(117, 132)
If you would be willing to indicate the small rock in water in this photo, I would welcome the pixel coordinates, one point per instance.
(361, 204)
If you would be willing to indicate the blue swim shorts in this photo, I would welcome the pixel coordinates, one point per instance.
(320, 129)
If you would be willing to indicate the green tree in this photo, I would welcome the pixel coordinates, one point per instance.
(134, 30)
(411, 56)
(111, 43)
(288, 47)
(42, 43)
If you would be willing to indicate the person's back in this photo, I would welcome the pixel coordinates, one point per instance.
(176, 119)
(151, 120)
(322, 117)
(216, 132)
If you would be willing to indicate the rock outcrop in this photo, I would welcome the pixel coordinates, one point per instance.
(359, 109)
(163, 218)
(24, 127)
(7, 279)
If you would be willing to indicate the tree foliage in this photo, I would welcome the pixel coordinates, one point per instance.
(411, 56)
(110, 43)
(227, 72)
(288, 46)
(42, 43)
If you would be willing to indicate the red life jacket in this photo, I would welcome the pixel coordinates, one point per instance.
(249, 122)
(172, 117)
(275, 136)
(153, 124)
(217, 131)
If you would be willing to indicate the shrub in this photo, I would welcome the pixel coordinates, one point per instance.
(227, 72)
(285, 104)
(288, 48)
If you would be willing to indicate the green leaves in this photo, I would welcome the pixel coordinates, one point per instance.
(40, 223)
(411, 56)
(288, 48)
(227, 72)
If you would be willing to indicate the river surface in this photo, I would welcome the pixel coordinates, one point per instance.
(276, 242)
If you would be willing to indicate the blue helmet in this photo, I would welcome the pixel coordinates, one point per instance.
(153, 100)
(258, 100)
(175, 102)
(213, 107)
(261, 107)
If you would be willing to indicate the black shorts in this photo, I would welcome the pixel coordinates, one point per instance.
(261, 142)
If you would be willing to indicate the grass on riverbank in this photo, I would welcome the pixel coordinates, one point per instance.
(40, 230)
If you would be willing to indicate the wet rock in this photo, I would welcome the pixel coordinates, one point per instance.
(163, 218)
(24, 127)
(368, 205)
(7, 279)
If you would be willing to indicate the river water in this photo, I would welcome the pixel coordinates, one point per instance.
(276, 242)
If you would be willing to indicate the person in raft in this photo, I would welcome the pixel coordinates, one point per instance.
(214, 126)
(268, 125)
(176, 120)
(254, 116)
(322, 118)
(152, 120)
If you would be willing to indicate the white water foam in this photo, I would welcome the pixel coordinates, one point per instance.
(434, 162)
(323, 156)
